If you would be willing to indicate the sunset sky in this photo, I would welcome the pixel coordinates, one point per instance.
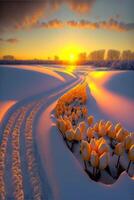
(44, 28)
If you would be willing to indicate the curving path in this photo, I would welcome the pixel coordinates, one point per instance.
(22, 173)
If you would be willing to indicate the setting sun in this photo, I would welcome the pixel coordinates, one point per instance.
(72, 58)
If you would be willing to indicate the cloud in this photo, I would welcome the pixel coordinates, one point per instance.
(24, 13)
(111, 24)
(9, 40)
(51, 24)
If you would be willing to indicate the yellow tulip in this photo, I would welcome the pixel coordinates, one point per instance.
(70, 134)
(103, 147)
(131, 153)
(120, 135)
(96, 127)
(108, 124)
(78, 135)
(90, 133)
(93, 144)
(82, 126)
(119, 149)
(94, 159)
(68, 124)
(118, 127)
(104, 160)
(90, 120)
(86, 152)
(102, 130)
(129, 141)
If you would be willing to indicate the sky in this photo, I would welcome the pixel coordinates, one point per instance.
(44, 28)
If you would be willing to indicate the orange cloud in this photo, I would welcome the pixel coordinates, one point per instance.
(84, 24)
(9, 40)
(20, 14)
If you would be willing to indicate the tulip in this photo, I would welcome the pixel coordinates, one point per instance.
(78, 135)
(102, 130)
(104, 160)
(94, 159)
(86, 153)
(90, 133)
(68, 124)
(120, 135)
(118, 127)
(129, 141)
(108, 124)
(82, 126)
(93, 144)
(84, 111)
(69, 135)
(130, 156)
(90, 120)
(119, 149)
(96, 127)
(103, 147)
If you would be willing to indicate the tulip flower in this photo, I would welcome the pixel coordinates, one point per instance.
(130, 156)
(96, 127)
(90, 133)
(90, 120)
(78, 135)
(69, 135)
(86, 153)
(119, 149)
(129, 141)
(102, 130)
(108, 124)
(103, 147)
(82, 126)
(93, 144)
(120, 135)
(104, 160)
(118, 127)
(94, 159)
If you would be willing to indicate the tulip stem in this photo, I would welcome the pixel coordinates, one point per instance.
(118, 162)
(94, 171)
(128, 166)
(85, 164)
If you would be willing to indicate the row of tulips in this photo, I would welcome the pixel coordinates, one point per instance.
(3, 149)
(96, 149)
(69, 105)
(30, 155)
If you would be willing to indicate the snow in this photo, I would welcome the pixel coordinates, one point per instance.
(61, 173)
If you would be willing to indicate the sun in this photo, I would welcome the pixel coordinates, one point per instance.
(72, 57)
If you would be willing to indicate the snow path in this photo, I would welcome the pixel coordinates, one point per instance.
(21, 165)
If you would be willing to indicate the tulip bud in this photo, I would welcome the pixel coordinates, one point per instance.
(78, 134)
(93, 144)
(102, 130)
(82, 126)
(86, 152)
(90, 133)
(131, 153)
(103, 147)
(69, 135)
(90, 120)
(120, 135)
(119, 149)
(94, 159)
(104, 160)
(118, 127)
(129, 141)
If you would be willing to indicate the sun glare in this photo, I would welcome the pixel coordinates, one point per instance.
(72, 58)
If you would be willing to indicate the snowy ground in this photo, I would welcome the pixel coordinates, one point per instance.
(45, 166)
